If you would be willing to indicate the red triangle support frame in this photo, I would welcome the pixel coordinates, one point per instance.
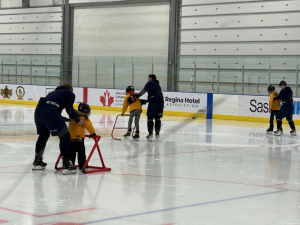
(95, 168)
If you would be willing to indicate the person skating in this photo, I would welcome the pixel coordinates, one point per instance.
(155, 106)
(135, 108)
(77, 133)
(273, 107)
(48, 121)
(286, 110)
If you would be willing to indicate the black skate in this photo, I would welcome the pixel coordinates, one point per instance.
(127, 135)
(136, 136)
(149, 137)
(293, 133)
(269, 131)
(68, 167)
(38, 163)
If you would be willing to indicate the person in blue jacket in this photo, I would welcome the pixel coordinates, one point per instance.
(48, 121)
(155, 106)
(286, 110)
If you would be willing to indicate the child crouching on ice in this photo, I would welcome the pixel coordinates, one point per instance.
(135, 108)
(274, 107)
(78, 133)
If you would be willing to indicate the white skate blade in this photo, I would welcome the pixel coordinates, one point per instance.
(294, 134)
(67, 172)
(278, 134)
(38, 167)
(269, 132)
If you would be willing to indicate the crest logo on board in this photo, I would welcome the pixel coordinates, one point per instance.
(20, 92)
(6, 93)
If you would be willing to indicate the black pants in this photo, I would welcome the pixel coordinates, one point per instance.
(47, 122)
(79, 147)
(273, 114)
(287, 111)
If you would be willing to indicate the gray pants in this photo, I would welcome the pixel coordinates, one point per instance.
(137, 114)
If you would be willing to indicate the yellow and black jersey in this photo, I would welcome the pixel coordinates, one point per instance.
(77, 131)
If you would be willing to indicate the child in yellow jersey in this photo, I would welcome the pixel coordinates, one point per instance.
(78, 133)
(135, 108)
(274, 107)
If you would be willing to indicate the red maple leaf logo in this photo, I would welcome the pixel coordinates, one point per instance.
(107, 97)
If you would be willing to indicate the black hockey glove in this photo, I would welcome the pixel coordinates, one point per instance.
(131, 99)
(66, 119)
(93, 136)
(143, 101)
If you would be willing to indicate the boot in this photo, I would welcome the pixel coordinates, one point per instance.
(127, 135)
(136, 136)
(38, 163)
(293, 132)
(149, 137)
(68, 167)
(278, 133)
(269, 131)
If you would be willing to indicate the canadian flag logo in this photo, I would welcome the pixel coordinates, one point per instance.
(106, 99)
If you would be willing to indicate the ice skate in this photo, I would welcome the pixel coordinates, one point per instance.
(269, 131)
(157, 136)
(68, 167)
(38, 163)
(293, 133)
(127, 135)
(136, 136)
(278, 133)
(149, 137)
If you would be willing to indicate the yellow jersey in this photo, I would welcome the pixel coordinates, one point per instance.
(274, 104)
(135, 105)
(77, 131)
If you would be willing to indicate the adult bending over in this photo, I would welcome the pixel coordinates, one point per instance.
(48, 120)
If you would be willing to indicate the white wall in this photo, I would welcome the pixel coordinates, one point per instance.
(236, 33)
(127, 31)
(240, 28)
(11, 3)
(30, 36)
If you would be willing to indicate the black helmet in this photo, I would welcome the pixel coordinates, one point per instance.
(129, 88)
(271, 88)
(84, 108)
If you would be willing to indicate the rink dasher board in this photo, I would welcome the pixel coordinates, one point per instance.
(114, 98)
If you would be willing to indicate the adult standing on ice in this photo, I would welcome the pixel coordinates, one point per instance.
(48, 120)
(286, 110)
(155, 106)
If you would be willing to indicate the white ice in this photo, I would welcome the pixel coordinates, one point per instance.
(199, 172)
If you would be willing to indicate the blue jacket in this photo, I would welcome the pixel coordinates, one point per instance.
(61, 98)
(286, 95)
(153, 88)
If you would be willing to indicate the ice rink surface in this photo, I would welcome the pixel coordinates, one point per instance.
(200, 172)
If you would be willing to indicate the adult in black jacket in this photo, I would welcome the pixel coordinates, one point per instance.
(155, 107)
(48, 121)
(286, 110)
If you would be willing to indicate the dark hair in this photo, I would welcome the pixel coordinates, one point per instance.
(282, 83)
(68, 86)
(152, 76)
